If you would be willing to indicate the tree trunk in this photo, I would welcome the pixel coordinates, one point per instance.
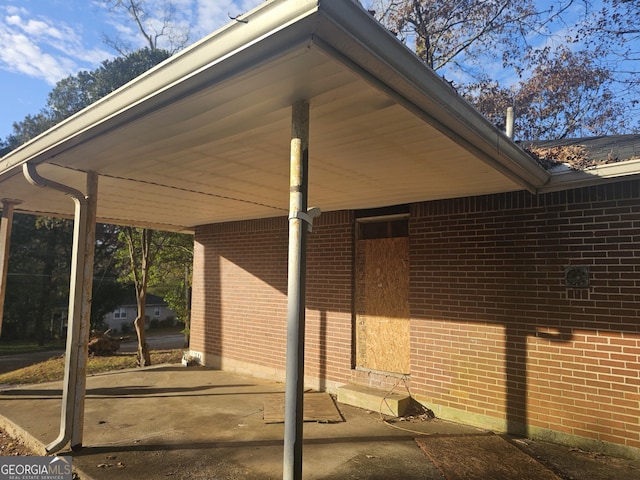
(143, 355)
(140, 272)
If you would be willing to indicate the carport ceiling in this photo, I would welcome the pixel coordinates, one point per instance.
(204, 137)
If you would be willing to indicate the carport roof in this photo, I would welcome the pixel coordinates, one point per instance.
(204, 137)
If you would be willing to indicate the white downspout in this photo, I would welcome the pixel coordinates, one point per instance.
(72, 416)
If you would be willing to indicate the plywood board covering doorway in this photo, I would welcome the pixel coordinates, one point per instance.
(382, 305)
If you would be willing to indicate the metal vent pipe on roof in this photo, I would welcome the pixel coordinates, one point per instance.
(509, 122)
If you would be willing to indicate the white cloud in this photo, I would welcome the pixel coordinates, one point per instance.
(41, 47)
(14, 10)
(51, 49)
(24, 56)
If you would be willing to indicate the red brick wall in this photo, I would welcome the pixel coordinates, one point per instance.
(247, 309)
(329, 297)
(244, 318)
(496, 332)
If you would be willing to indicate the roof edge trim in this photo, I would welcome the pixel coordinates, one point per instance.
(374, 50)
(598, 175)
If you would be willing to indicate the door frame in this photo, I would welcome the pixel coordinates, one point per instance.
(372, 216)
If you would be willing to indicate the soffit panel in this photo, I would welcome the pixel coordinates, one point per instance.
(222, 152)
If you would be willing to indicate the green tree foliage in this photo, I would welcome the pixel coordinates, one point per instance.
(4, 147)
(171, 277)
(108, 291)
(38, 277)
(30, 127)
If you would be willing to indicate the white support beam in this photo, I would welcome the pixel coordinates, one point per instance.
(74, 383)
(85, 290)
(5, 242)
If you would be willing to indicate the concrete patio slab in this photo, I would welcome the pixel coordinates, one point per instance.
(177, 422)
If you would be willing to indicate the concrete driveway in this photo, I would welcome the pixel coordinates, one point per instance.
(197, 423)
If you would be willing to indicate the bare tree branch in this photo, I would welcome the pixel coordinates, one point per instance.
(155, 27)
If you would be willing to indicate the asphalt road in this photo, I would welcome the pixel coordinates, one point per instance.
(9, 363)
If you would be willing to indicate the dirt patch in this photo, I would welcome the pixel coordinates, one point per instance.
(10, 447)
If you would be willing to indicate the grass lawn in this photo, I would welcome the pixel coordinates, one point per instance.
(53, 369)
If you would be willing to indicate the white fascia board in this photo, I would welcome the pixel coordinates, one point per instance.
(612, 172)
(346, 33)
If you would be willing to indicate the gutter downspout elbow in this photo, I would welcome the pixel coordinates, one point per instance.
(34, 178)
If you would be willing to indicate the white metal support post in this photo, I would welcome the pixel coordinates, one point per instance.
(74, 383)
(5, 242)
(86, 279)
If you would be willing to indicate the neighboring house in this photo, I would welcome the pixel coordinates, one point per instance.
(156, 311)
(447, 261)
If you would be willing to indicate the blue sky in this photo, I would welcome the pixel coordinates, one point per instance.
(44, 41)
